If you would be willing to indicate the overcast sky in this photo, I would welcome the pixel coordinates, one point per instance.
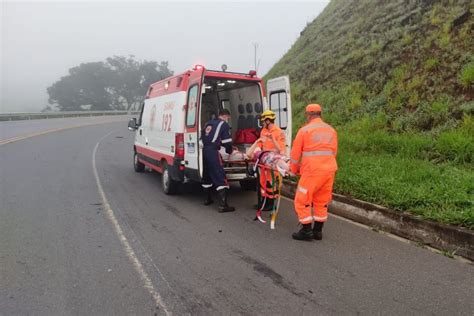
(42, 40)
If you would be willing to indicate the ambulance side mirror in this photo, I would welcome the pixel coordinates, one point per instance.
(132, 124)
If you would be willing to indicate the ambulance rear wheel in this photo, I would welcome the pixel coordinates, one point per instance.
(248, 185)
(137, 165)
(169, 185)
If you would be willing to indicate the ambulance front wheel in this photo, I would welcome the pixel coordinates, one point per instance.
(248, 185)
(169, 185)
(137, 165)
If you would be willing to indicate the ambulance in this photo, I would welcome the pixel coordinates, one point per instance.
(167, 132)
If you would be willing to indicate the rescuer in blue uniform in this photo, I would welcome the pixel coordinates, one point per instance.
(216, 133)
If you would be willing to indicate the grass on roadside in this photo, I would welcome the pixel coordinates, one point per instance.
(396, 80)
(441, 192)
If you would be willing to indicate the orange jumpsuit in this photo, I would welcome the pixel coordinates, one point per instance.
(268, 145)
(314, 154)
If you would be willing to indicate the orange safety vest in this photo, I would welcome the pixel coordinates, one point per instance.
(279, 136)
(314, 149)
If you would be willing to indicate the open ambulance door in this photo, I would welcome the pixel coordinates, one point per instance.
(192, 150)
(279, 101)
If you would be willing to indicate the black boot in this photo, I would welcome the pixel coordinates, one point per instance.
(318, 230)
(304, 233)
(208, 200)
(259, 198)
(224, 207)
(259, 204)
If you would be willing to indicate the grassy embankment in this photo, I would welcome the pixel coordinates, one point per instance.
(396, 79)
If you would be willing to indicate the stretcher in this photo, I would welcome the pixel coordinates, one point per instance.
(235, 165)
(277, 182)
(237, 160)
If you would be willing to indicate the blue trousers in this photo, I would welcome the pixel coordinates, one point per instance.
(213, 171)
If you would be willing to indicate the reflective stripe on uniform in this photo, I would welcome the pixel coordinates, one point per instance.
(309, 218)
(314, 125)
(294, 161)
(218, 129)
(318, 153)
(228, 140)
(320, 218)
(302, 190)
(206, 186)
(222, 187)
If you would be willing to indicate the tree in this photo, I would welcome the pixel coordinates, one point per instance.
(86, 85)
(131, 79)
(119, 83)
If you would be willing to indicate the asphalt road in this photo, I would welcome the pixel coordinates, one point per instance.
(11, 130)
(63, 251)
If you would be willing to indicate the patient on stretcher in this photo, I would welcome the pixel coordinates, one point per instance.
(271, 159)
(235, 155)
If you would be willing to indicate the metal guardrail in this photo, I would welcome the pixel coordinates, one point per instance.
(48, 115)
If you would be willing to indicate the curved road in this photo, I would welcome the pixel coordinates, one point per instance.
(82, 233)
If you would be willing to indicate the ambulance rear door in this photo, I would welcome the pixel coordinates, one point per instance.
(192, 153)
(279, 101)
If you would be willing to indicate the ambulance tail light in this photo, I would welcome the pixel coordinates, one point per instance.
(179, 145)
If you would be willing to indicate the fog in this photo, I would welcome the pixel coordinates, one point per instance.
(42, 40)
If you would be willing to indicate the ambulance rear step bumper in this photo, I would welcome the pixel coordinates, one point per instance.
(237, 173)
(235, 169)
(238, 176)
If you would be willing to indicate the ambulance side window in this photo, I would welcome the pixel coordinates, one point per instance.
(279, 106)
(139, 123)
(192, 106)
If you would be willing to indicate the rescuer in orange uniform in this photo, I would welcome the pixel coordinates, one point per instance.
(314, 156)
(273, 139)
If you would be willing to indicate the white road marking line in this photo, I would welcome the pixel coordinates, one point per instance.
(52, 130)
(147, 283)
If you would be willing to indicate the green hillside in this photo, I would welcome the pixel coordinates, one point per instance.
(396, 79)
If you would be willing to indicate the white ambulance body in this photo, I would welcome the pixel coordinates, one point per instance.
(176, 109)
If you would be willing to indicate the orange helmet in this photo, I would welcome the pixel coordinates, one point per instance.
(313, 108)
